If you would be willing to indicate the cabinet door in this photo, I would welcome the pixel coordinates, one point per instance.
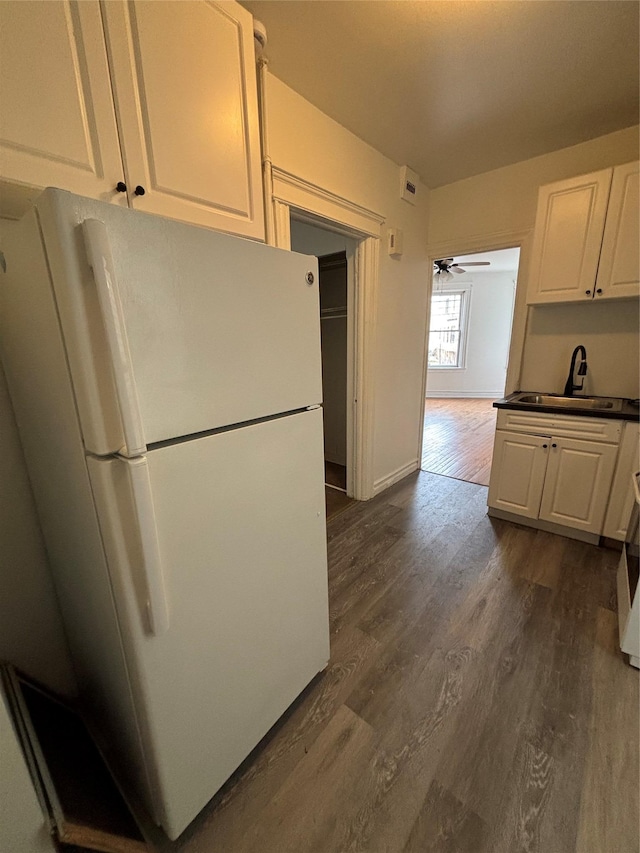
(567, 238)
(186, 98)
(619, 269)
(517, 472)
(577, 484)
(57, 120)
(622, 494)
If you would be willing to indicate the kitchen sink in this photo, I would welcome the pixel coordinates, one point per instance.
(560, 402)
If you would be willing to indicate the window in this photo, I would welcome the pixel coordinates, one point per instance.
(447, 329)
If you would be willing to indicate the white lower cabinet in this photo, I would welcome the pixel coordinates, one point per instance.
(577, 483)
(517, 473)
(557, 479)
(622, 494)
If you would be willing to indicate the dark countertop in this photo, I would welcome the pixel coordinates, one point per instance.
(628, 412)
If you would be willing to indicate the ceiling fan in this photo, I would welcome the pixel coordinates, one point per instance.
(443, 268)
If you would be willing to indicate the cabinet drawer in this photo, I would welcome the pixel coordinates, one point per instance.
(561, 426)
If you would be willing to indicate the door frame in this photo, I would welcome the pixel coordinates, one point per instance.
(472, 246)
(315, 205)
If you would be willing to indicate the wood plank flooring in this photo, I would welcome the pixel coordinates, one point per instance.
(476, 700)
(458, 438)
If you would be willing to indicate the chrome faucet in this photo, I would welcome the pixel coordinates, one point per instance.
(569, 387)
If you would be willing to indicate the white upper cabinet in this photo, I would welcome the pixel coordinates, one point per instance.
(619, 269)
(57, 122)
(585, 243)
(159, 96)
(567, 238)
(186, 98)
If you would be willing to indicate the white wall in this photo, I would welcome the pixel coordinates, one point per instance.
(489, 331)
(477, 209)
(308, 144)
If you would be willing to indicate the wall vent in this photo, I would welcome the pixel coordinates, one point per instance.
(408, 185)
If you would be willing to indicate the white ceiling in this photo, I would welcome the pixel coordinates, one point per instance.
(454, 88)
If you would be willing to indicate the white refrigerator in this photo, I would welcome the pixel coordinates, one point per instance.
(167, 385)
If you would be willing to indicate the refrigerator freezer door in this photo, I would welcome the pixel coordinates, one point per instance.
(220, 330)
(241, 534)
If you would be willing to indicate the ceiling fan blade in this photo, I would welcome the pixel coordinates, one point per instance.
(477, 264)
(456, 268)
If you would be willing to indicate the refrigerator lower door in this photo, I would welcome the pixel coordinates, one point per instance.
(240, 576)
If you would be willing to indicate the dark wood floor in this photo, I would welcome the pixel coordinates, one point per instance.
(458, 438)
(475, 700)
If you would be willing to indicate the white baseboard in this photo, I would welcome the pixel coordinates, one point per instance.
(494, 395)
(395, 476)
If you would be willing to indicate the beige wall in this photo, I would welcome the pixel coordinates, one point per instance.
(466, 212)
(306, 143)
(505, 199)
(608, 332)
(31, 635)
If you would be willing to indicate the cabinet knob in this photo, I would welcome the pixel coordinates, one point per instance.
(121, 187)
(139, 190)
(599, 290)
(554, 445)
(588, 292)
(545, 446)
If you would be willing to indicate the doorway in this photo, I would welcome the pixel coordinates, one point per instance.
(336, 255)
(470, 323)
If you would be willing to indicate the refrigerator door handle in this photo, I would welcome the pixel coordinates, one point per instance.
(101, 261)
(157, 609)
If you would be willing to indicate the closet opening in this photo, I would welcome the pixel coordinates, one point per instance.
(336, 257)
